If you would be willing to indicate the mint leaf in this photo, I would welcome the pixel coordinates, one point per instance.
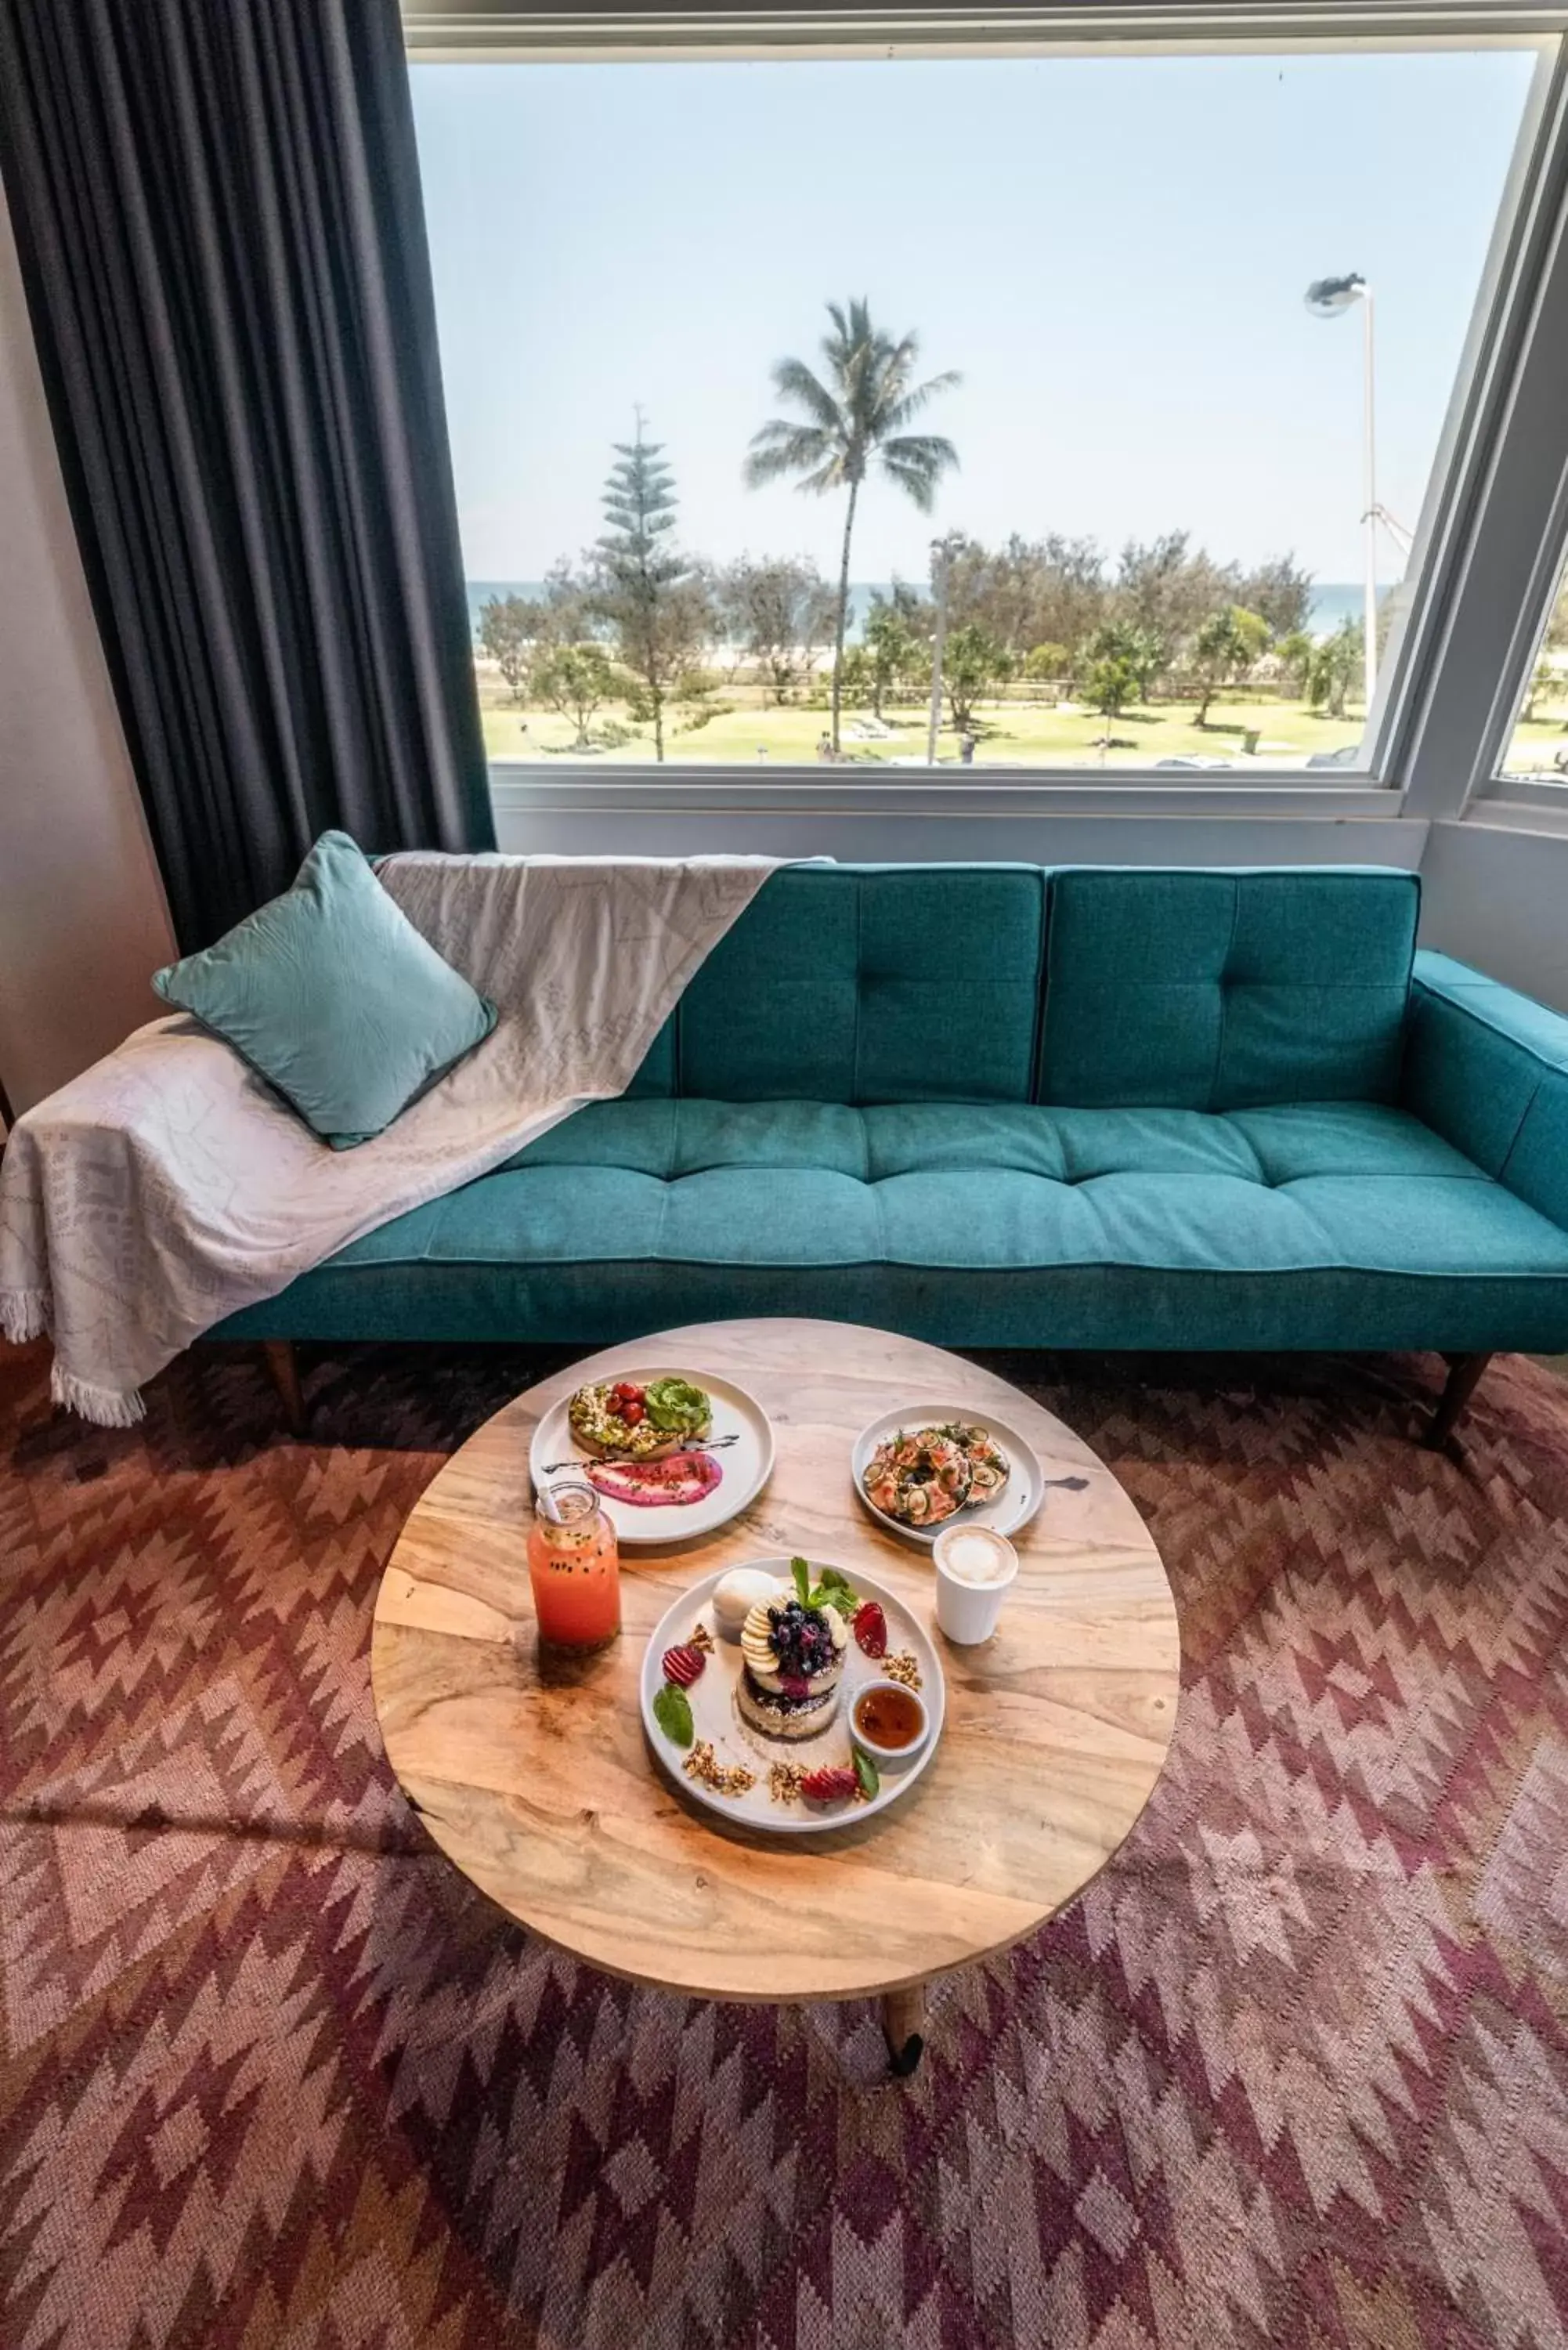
(800, 1570)
(835, 1586)
(866, 1772)
(672, 1711)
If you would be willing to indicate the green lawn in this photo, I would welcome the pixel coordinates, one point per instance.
(1537, 743)
(1015, 734)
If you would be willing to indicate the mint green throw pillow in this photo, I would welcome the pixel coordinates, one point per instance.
(331, 995)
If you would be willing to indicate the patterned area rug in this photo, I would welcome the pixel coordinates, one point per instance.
(1294, 2070)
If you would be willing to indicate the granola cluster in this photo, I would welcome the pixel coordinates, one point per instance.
(702, 1639)
(784, 1781)
(903, 1668)
(724, 1778)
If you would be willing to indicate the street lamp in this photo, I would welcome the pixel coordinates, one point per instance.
(942, 553)
(1329, 297)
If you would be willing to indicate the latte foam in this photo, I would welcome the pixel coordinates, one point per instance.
(974, 1554)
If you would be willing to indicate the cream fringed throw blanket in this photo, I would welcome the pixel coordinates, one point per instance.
(168, 1185)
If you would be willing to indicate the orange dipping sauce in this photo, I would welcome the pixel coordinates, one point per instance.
(889, 1717)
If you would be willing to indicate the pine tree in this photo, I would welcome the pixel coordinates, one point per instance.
(650, 594)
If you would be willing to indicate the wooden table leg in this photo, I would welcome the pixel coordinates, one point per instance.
(282, 1363)
(904, 2028)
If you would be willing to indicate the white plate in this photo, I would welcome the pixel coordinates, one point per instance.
(745, 1465)
(716, 1718)
(1013, 1507)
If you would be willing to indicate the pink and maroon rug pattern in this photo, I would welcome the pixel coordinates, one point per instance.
(1293, 2071)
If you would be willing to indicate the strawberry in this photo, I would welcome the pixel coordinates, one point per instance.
(870, 1627)
(829, 1786)
(683, 1666)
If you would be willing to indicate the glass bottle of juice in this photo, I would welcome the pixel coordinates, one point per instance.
(573, 1565)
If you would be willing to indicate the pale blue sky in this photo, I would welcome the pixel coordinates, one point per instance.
(1113, 251)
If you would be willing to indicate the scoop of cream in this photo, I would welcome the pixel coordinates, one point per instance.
(736, 1593)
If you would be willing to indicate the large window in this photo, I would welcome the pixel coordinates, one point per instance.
(1537, 750)
(794, 402)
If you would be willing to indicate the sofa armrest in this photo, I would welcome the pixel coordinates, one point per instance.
(1488, 1070)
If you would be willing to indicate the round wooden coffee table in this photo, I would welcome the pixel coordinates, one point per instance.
(533, 1776)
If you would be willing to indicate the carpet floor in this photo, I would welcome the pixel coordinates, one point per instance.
(1293, 2072)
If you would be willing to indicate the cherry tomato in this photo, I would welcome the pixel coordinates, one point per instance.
(632, 1413)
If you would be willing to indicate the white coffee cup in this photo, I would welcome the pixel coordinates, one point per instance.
(975, 1568)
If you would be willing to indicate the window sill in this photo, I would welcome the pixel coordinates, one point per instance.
(585, 788)
(1510, 805)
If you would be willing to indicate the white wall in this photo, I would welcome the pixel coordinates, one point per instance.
(1498, 900)
(82, 918)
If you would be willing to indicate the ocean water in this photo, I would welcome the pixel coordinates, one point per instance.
(1333, 602)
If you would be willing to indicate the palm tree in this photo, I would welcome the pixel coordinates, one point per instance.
(857, 411)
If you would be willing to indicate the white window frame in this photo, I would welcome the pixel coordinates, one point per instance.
(1525, 803)
(1487, 537)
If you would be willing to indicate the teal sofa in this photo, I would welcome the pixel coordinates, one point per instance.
(1001, 1105)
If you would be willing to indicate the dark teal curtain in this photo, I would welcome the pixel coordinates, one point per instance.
(218, 208)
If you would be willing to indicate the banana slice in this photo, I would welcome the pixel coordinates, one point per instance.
(756, 1638)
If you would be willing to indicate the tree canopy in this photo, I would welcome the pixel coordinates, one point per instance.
(507, 631)
(1337, 664)
(780, 610)
(1227, 644)
(576, 680)
(974, 663)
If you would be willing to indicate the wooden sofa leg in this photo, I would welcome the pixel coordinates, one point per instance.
(1464, 1377)
(284, 1364)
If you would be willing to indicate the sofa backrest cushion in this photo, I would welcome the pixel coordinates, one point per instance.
(657, 1075)
(868, 983)
(1212, 990)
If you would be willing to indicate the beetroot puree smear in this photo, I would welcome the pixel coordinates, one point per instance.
(674, 1482)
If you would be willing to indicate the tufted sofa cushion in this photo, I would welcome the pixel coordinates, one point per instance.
(1209, 991)
(863, 984)
(994, 1186)
(1306, 1224)
(676, 1139)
